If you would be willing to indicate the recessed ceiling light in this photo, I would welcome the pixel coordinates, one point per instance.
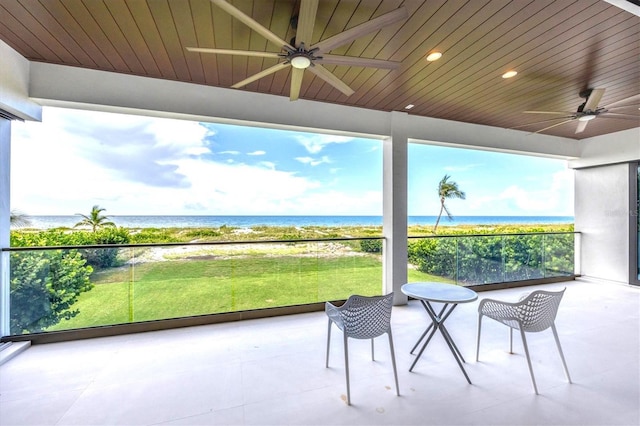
(509, 74)
(409, 106)
(434, 56)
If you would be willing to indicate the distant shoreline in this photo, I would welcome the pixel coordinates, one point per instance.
(137, 222)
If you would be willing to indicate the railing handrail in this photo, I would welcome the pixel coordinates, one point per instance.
(196, 243)
(494, 235)
(310, 240)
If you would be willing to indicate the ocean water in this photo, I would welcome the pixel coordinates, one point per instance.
(47, 222)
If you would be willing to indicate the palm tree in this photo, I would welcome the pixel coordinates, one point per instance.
(18, 219)
(447, 190)
(95, 220)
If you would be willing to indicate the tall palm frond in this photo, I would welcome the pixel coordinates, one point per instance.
(447, 190)
(94, 219)
(19, 219)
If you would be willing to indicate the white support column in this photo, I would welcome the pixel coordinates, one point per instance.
(5, 210)
(395, 207)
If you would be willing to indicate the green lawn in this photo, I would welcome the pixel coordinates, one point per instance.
(180, 288)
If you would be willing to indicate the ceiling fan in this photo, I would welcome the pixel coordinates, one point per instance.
(300, 54)
(588, 111)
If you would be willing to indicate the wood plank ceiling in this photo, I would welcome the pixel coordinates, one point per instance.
(557, 47)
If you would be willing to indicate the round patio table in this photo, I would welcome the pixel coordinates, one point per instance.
(450, 296)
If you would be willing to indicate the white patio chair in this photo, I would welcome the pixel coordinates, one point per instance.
(534, 312)
(362, 317)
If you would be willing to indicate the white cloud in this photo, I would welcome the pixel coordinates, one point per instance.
(554, 199)
(314, 162)
(256, 153)
(316, 143)
(230, 152)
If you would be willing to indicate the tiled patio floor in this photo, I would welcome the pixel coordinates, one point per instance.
(271, 371)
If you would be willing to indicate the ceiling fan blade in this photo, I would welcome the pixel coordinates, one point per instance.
(634, 100)
(620, 116)
(540, 122)
(306, 21)
(362, 29)
(326, 75)
(547, 112)
(296, 83)
(234, 52)
(581, 126)
(251, 23)
(357, 62)
(593, 100)
(550, 127)
(261, 74)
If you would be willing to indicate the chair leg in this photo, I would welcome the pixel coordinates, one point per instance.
(328, 343)
(479, 330)
(510, 340)
(526, 351)
(372, 356)
(564, 363)
(393, 362)
(346, 366)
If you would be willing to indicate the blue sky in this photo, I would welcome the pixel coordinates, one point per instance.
(133, 165)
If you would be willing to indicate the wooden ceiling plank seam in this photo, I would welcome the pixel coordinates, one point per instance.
(579, 66)
(40, 31)
(37, 50)
(530, 54)
(263, 13)
(411, 27)
(164, 22)
(109, 26)
(358, 47)
(615, 66)
(76, 39)
(123, 15)
(340, 16)
(182, 15)
(203, 28)
(149, 31)
(240, 41)
(417, 67)
(360, 12)
(222, 33)
(479, 50)
(97, 35)
(463, 22)
(280, 82)
(484, 57)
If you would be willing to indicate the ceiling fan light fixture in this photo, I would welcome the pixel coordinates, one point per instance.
(509, 74)
(434, 56)
(587, 117)
(300, 62)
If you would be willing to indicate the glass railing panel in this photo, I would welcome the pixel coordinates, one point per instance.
(559, 255)
(433, 259)
(523, 257)
(60, 289)
(480, 260)
(487, 259)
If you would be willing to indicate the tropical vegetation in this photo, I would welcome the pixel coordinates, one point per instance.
(447, 190)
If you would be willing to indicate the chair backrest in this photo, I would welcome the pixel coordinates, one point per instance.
(366, 317)
(537, 311)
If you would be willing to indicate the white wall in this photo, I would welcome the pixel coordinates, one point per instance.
(603, 218)
(14, 85)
